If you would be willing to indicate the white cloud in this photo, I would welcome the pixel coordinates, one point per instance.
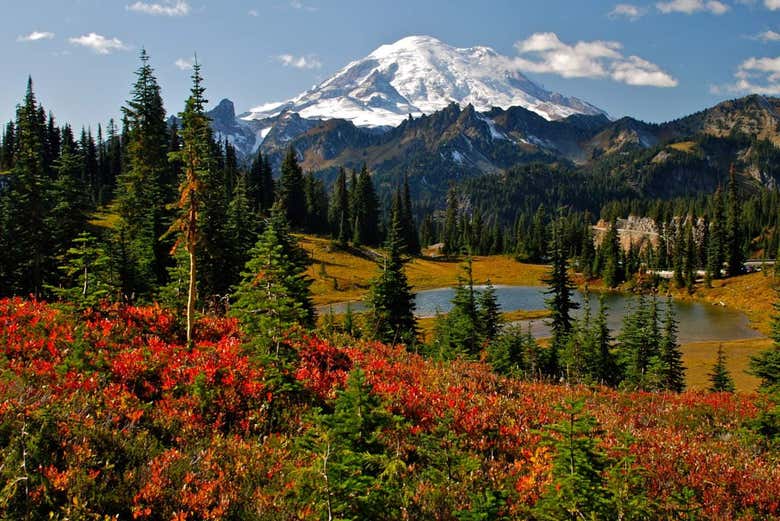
(35, 36)
(772, 5)
(253, 12)
(185, 64)
(596, 59)
(98, 43)
(167, 8)
(694, 6)
(767, 36)
(299, 62)
(629, 11)
(298, 4)
(756, 76)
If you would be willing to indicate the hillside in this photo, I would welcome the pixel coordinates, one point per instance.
(110, 413)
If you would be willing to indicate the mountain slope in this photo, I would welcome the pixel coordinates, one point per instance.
(421, 75)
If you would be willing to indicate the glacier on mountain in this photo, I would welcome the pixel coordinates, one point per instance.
(420, 75)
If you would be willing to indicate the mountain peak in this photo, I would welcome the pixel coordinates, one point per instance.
(419, 75)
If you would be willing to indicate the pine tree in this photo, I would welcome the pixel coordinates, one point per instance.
(28, 204)
(354, 475)
(70, 202)
(365, 211)
(390, 301)
(316, 204)
(689, 262)
(601, 365)
(715, 255)
(292, 197)
(489, 312)
(451, 236)
(667, 370)
(638, 344)
(577, 490)
(408, 225)
(274, 291)
(87, 274)
(720, 378)
(560, 302)
(338, 211)
(195, 158)
(610, 252)
(260, 185)
(459, 332)
(766, 364)
(588, 249)
(142, 198)
(734, 256)
(241, 228)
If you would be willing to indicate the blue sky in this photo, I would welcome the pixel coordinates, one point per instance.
(689, 54)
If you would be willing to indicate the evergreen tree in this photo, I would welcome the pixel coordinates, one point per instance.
(390, 301)
(715, 248)
(601, 365)
(408, 225)
(292, 197)
(734, 256)
(87, 274)
(560, 302)
(638, 344)
(338, 212)
(577, 490)
(316, 204)
(142, 198)
(365, 212)
(690, 260)
(27, 203)
(8, 147)
(610, 253)
(71, 204)
(274, 291)
(260, 186)
(588, 252)
(667, 370)
(766, 364)
(354, 476)
(489, 312)
(451, 236)
(241, 229)
(459, 332)
(195, 158)
(720, 378)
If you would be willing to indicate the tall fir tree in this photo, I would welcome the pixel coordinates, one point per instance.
(390, 301)
(667, 369)
(142, 198)
(338, 212)
(734, 257)
(489, 312)
(715, 248)
(560, 300)
(292, 197)
(195, 159)
(241, 229)
(260, 184)
(408, 225)
(28, 203)
(451, 238)
(610, 253)
(365, 213)
(274, 291)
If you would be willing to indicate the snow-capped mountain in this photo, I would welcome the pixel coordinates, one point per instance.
(421, 75)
